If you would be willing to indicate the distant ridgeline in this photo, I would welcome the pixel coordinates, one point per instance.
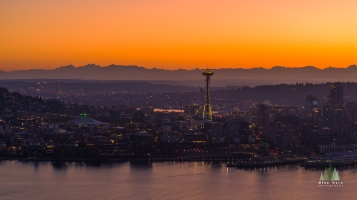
(120, 72)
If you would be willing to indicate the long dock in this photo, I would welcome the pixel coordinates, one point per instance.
(262, 163)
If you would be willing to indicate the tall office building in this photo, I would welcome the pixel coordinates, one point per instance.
(336, 95)
(350, 112)
(263, 121)
(336, 120)
(310, 105)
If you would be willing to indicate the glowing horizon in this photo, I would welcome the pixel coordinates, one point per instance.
(160, 34)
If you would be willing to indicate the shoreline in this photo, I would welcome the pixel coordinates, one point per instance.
(228, 161)
(69, 159)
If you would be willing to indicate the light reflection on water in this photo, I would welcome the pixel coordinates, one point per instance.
(165, 180)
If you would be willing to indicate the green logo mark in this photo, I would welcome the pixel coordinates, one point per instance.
(330, 174)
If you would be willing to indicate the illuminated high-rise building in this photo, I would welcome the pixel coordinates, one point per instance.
(310, 105)
(351, 112)
(336, 95)
(336, 102)
(207, 108)
(263, 119)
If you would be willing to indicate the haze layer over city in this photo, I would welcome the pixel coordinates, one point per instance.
(178, 100)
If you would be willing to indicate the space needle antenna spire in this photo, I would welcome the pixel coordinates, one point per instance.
(207, 108)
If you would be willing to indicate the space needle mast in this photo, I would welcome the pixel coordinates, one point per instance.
(207, 108)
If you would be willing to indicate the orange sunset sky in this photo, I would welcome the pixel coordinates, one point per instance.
(43, 34)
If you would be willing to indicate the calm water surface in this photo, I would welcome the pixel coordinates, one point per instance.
(165, 180)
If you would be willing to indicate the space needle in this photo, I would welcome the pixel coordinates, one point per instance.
(207, 108)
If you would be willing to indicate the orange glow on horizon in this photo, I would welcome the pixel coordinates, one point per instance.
(162, 34)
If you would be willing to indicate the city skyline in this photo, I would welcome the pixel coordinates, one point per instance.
(74, 123)
(174, 35)
(178, 99)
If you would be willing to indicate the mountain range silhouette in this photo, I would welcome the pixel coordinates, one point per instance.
(120, 72)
